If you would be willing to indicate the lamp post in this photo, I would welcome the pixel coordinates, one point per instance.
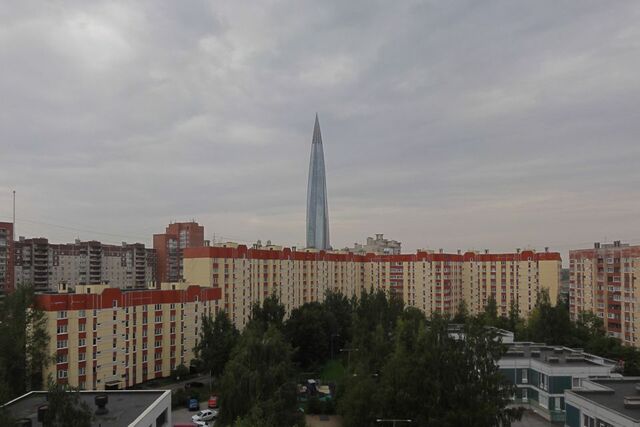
(393, 421)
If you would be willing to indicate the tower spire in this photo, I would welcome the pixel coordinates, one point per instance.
(317, 206)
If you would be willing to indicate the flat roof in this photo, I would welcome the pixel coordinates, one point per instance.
(554, 355)
(124, 406)
(613, 396)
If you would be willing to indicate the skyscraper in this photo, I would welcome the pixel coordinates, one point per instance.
(317, 206)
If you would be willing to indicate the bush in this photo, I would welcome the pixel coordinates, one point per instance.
(180, 373)
(179, 398)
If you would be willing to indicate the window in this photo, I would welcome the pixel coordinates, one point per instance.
(587, 421)
(115, 303)
(62, 344)
(558, 404)
(543, 400)
(62, 314)
(62, 373)
(542, 381)
(82, 313)
(82, 370)
(62, 358)
(575, 382)
(82, 342)
(82, 356)
(524, 376)
(82, 327)
(62, 329)
(525, 397)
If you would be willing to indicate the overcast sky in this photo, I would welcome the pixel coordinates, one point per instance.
(453, 124)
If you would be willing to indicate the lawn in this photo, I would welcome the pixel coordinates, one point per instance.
(333, 371)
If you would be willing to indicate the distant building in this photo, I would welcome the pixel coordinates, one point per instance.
(317, 203)
(378, 245)
(542, 373)
(6, 257)
(108, 338)
(604, 280)
(430, 281)
(130, 408)
(169, 247)
(45, 265)
(611, 402)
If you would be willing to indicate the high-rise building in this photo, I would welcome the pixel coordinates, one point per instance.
(604, 280)
(169, 247)
(430, 281)
(6, 257)
(107, 338)
(377, 245)
(45, 265)
(317, 205)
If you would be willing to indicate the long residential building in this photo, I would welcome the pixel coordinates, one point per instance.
(45, 265)
(604, 280)
(108, 338)
(430, 281)
(6, 257)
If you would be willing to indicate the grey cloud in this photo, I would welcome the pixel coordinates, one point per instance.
(455, 124)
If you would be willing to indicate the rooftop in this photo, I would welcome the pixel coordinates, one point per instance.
(124, 406)
(554, 355)
(620, 395)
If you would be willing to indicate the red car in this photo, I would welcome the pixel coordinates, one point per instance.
(213, 402)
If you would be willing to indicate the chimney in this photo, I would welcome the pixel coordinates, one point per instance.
(459, 251)
(596, 245)
(546, 248)
(486, 251)
(440, 250)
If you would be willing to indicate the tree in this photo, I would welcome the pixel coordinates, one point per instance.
(271, 312)
(24, 342)
(258, 386)
(434, 379)
(309, 329)
(462, 312)
(490, 314)
(217, 339)
(65, 407)
(549, 324)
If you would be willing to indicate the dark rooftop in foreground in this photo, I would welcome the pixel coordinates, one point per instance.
(124, 407)
(619, 395)
(555, 355)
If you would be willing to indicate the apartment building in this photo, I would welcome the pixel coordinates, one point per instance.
(604, 280)
(169, 247)
(543, 373)
(430, 281)
(45, 264)
(6, 257)
(377, 245)
(109, 338)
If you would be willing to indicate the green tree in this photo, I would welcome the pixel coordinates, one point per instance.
(462, 312)
(65, 407)
(24, 342)
(490, 314)
(549, 324)
(309, 329)
(258, 386)
(217, 339)
(271, 312)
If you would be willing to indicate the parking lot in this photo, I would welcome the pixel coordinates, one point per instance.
(183, 415)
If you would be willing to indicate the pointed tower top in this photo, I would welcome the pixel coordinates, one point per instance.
(317, 137)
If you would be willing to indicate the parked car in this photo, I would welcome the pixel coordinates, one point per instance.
(193, 404)
(194, 384)
(213, 402)
(205, 415)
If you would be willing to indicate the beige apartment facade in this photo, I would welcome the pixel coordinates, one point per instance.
(108, 338)
(430, 281)
(604, 280)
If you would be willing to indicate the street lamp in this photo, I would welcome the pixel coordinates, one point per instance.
(393, 421)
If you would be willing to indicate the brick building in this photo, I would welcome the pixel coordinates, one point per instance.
(169, 247)
(604, 280)
(6, 257)
(45, 264)
(432, 282)
(108, 338)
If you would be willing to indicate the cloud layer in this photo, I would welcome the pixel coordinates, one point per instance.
(446, 124)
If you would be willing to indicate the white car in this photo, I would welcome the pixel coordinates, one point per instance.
(205, 416)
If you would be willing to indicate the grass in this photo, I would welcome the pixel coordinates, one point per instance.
(333, 371)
